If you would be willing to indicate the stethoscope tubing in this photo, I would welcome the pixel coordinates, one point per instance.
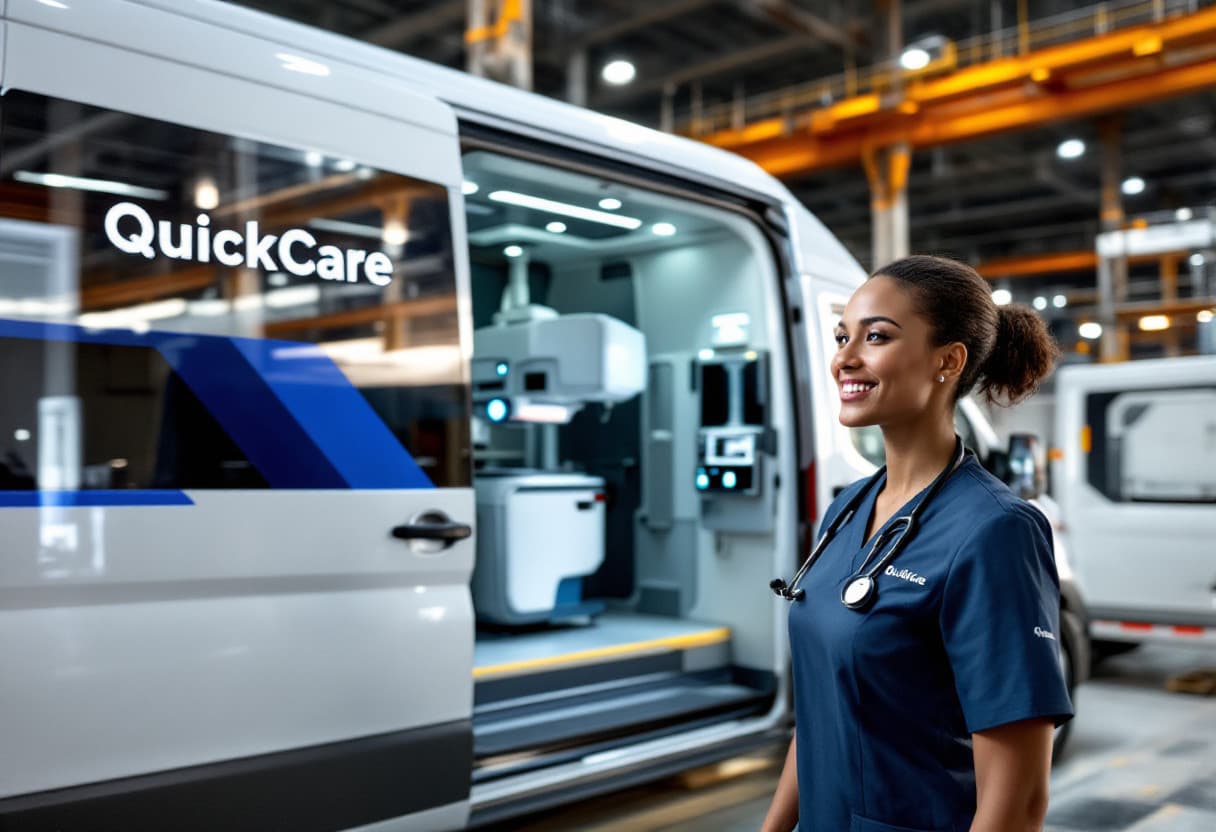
(861, 588)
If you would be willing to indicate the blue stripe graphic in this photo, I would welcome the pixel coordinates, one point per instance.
(290, 409)
(334, 413)
(100, 497)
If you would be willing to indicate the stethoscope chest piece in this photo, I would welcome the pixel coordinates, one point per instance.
(859, 592)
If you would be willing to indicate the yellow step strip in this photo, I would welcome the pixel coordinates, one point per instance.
(636, 648)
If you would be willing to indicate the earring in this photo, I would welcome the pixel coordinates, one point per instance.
(941, 379)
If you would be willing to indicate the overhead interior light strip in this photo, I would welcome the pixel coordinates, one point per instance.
(566, 210)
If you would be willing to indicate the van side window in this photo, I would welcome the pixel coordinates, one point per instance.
(185, 309)
(1152, 445)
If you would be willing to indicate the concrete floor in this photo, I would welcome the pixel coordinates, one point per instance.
(1140, 759)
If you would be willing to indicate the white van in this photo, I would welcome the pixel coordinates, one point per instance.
(1136, 481)
(293, 331)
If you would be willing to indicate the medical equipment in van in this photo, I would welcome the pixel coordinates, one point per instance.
(541, 530)
(733, 438)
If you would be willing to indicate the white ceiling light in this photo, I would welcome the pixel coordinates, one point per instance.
(394, 232)
(344, 165)
(278, 279)
(1059, 301)
(21, 435)
(1133, 185)
(313, 159)
(565, 209)
(556, 227)
(1183, 214)
(1196, 259)
(295, 63)
(1002, 297)
(610, 203)
(206, 194)
(293, 296)
(663, 229)
(513, 251)
(1154, 323)
(1204, 316)
(82, 183)
(618, 73)
(469, 188)
(1071, 149)
(1040, 303)
(914, 58)
(1091, 330)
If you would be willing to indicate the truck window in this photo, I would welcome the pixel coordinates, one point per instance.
(1152, 445)
(185, 309)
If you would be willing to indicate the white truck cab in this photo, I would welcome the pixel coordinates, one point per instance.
(382, 447)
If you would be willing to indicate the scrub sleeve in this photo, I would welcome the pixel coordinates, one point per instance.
(1000, 622)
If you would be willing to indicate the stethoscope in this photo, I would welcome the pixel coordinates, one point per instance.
(862, 588)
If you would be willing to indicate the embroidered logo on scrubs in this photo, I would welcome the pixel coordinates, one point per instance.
(1041, 633)
(907, 575)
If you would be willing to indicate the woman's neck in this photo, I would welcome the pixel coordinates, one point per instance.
(916, 454)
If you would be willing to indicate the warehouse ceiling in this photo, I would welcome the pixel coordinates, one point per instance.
(987, 199)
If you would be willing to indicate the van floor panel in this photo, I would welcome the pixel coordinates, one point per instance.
(609, 637)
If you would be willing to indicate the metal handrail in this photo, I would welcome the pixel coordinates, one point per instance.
(1054, 30)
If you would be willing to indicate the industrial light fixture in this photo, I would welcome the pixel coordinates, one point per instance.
(394, 232)
(84, 183)
(663, 229)
(619, 72)
(1040, 303)
(556, 227)
(1154, 323)
(1197, 259)
(1059, 301)
(1092, 330)
(1002, 297)
(206, 194)
(1071, 149)
(1133, 185)
(1204, 316)
(610, 203)
(344, 165)
(1183, 214)
(469, 188)
(313, 159)
(565, 209)
(513, 251)
(914, 58)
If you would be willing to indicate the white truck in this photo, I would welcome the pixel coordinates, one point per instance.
(383, 447)
(1136, 482)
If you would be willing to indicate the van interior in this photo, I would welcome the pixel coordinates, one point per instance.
(624, 463)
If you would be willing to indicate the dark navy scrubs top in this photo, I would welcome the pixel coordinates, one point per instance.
(963, 637)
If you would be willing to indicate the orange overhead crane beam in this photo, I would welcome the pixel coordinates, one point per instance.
(1131, 67)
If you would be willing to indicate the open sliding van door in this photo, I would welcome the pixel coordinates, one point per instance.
(234, 476)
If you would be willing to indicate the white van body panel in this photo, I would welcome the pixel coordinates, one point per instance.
(1145, 559)
(238, 586)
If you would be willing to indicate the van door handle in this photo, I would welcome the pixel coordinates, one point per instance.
(446, 532)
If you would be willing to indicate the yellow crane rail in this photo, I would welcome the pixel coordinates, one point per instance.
(1130, 67)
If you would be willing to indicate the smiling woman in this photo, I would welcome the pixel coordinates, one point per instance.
(927, 705)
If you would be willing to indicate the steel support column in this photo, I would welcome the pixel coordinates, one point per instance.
(1112, 270)
(887, 172)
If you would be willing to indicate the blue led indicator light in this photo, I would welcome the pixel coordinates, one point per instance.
(728, 479)
(496, 410)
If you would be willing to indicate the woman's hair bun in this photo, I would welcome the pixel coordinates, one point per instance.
(1023, 354)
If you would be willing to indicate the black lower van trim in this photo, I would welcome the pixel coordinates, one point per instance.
(323, 787)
